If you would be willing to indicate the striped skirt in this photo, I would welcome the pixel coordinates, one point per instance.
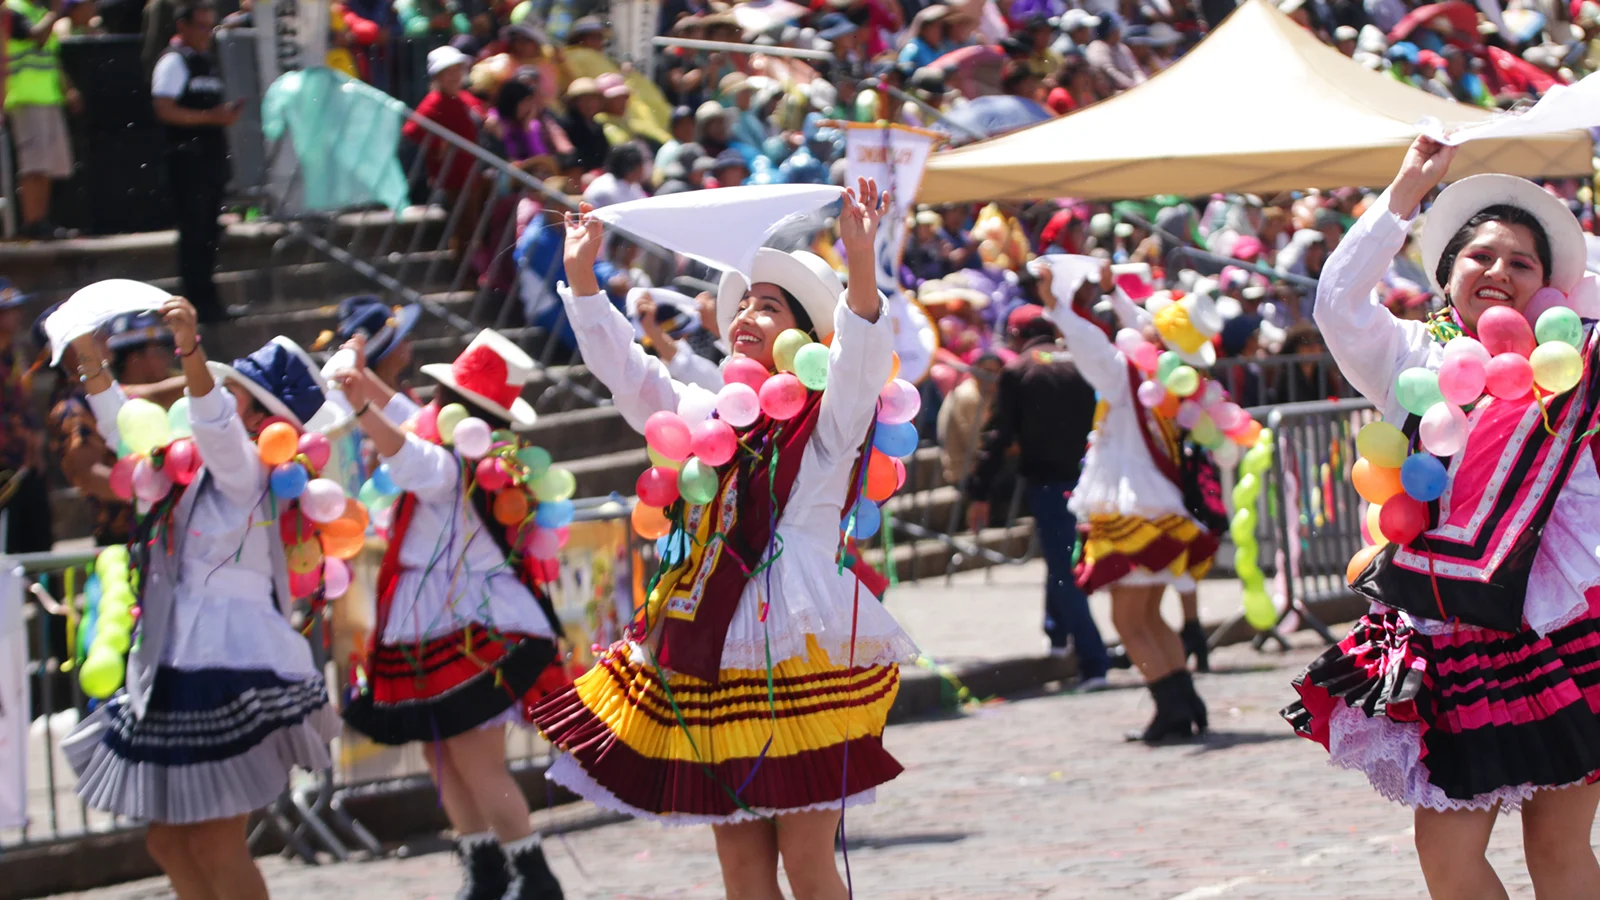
(1171, 549)
(695, 752)
(1464, 720)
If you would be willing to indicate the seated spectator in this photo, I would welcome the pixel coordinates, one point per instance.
(457, 111)
(1036, 37)
(22, 442)
(589, 144)
(961, 418)
(620, 127)
(712, 127)
(686, 171)
(1077, 32)
(729, 169)
(524, 137)
(1241, 340)
(1152, 46)
(923, 256)
(1344, 39)
(622, 180)
(1113, 58)
(927, 40)
(681, 125)
(1312, 379)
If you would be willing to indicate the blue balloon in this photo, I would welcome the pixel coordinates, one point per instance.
(1423, 476)
(554, 513)
(898, 441)
(288, 480)
(673, 547)
(868, 519)
(382, 483)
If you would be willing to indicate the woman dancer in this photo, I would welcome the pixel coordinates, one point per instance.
(1139, 537)
(222, 698)
(464, 626)
(1455, 720)
(751, 694)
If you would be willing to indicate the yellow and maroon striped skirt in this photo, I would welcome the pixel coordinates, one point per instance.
(1170, 546)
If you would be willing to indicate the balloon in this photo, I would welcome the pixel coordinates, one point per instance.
(502, 437)
(881, 477)
(1509, 376)
(1128, 340)
(178, 419)
(785, 346)
(1189, 413)
(1258, 459)
(668, 434)
(277, 443)
(894, 364)
(1211, 395)
(738, 404)
(1205, 432)
(315, 448)
(1375, 484)
(489, 476)
(1245, 560)
(555, 484)
(303, 557)
(649, 522)
(944, 378)
(354, 512)
(382, 483)
(896, 440)
(1151, 393)
(323, 500)
(288, 480)
(697, 482)
(899, 473)
(294, 527)
(1360, 561)
(555, 514)
(102, 672)
(1403, 518)
(1546, 300)
(1168, 407)
(1424, 477)
(121, 476)
(695, 407)
(1557, 367)
(472, 438)
(1228, 415)
(657, 459)
(342, 539)
(744, 370)
(1374, 528)
(537, 459)
(1227, 454)
(658, 486)
(1243, 526)
(782, 396)
(544, 543)
(449, 417)
(1466, 346)
(1461, 379)
(1382, 443)
(1417, 389)
(335, 578)
(672, 548)
(1183, 381)
(510, 507)
(899, 401)
(149, 483)
(1558, 324)
(811, 366)
(1246, 490)
(1443, 430)
(1147, 357)
(304, 584)
(143, 425)
(713, 442)
(1258, 608)
(182, 461)
(425, 424)
(868, 518)
(1504, 330)
(1166, 364)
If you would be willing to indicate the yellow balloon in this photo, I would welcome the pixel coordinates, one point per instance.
(657, 459)
(449, 417)
(786, 346)
(1373, 511)
(1383, 444)
(143, 425)
(1557, 367)
(101, 673)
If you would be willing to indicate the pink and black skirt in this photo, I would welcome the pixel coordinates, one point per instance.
(1463, 720)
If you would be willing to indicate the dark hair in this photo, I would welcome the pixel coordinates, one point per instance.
(512, 93)
(186, 11)
(624, 158)
(1505, 214)
(802, 319)
(1037, 328)
(444, 396)
(1014, 75)
(1300, 334)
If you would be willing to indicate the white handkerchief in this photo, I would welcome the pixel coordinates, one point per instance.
(1068, 273)
(1562, 108)
(95, 305)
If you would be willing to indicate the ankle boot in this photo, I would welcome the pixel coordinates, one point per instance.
(1194, 644)
(1173, 719)
(1192, 701)
(485, 865)
(531, 878)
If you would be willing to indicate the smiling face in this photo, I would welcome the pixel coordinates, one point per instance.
(763, 314)
(1499, 266)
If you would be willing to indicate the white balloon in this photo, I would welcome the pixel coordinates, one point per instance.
(695, 407)
(1443, 429)
(1128, 339)
(1226, 454)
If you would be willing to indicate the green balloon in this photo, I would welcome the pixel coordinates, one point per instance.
(811, 366)
(368, 495)
(1559, 324)
(1258, 459)
(555, 484)
(1182, 381)
(1258, 608)
(1165, 363)
(1205, 431)
(1246, 491)
(143, 425)
(697, 482)
(1245, 559)
(786, 346)
(1418, 390)
(537, 459)
(178, 419)
(1243, 526)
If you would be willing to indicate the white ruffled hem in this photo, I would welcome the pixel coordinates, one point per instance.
(566, 772)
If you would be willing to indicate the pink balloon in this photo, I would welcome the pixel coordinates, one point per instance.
(1509, 376)
(738, 404)
(1443, 429)
(1228, 416)
(425, 424)
(783, 395)
(1211, 394)
(544, 543)
(1151, 393)
(1504, 330)
(899, 473)
(304, 584)
(898, 402)
(1128, 341)
(322, 501)
(1189, 412)
(316, 449)
(121, 476)
(183, 460)
(1461, 380)
(149, 483)
(658, 486)
(1147, 357)
(335, 577)
(490, 476)
(667, 434)
(1542, 301)
(713, 441)
(744, 370)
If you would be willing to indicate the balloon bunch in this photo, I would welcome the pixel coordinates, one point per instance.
(1510, 361)
(156, 450)
(1258, 608)
(105, 660)
(319, 525)
(1178, 391)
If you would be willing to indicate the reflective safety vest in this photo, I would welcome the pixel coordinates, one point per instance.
(33, 70)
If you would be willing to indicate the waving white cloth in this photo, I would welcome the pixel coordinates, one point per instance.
(85, 311)
(1562, 108)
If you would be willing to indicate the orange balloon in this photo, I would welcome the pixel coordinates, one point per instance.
(277, 443)
(1168, 408)
(1373, 511)
(894, 370)
(356, 511)
(510, 506)
(881, 477)
(650, 522)
(341, 528)
(1360, 561)
(1375, 484)
(344, 542)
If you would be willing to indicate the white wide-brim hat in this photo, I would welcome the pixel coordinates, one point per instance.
(1200, 308)
(1466, 198)
(269, 401)
(491, 373)
(805, 275)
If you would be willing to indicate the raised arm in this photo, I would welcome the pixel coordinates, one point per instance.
(416, 466)
(230, 456)
(862, 354)
(1101, 363)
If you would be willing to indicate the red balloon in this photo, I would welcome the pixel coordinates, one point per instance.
(1402, 518)
(121, 477)
(657, 487)
(183, 460)
(294, 527)
(490, 476)
(425, 424)
(1504, 330)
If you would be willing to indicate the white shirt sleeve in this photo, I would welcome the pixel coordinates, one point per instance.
(170, 78)
(226, 448)
(1100, 362)
(690, 367)
(105, 406)
(859, 363)
(640, 384)
(425, 469)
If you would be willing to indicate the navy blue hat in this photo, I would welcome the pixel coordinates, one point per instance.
(137, 330)
(281, 376)
(1236, 333)
(10, 297)
(385, 326)
(40, 339)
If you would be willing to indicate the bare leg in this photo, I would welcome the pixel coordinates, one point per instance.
(748, 852)
(169, 846)
(805, 841)
(478, 760)
(459, 806)
(33, 194)
(1134, 610)
(1451, 847)
(1191, 605)
(223, 851)
(1555, 839)
(1171, 648)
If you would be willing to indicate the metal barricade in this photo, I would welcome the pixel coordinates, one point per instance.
(1281, 379)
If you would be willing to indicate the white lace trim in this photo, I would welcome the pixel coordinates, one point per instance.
(566, 772)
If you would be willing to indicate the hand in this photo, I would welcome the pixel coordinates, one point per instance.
(1108, 282)
(1045, 280)
(74, 101)
(358, 346)
(1424, 167)
(977, 515)
(179, 315)
(705, 303)
(647, 316)
(864, 209)
(584, 237)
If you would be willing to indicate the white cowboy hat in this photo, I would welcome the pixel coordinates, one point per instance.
(1466, 198)
(803, 274)
(491, 373)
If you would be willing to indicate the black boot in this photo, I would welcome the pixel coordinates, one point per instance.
(485, 865)
(531, 878)
(1173, 720)
(1192, 702)
(1194, 644)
